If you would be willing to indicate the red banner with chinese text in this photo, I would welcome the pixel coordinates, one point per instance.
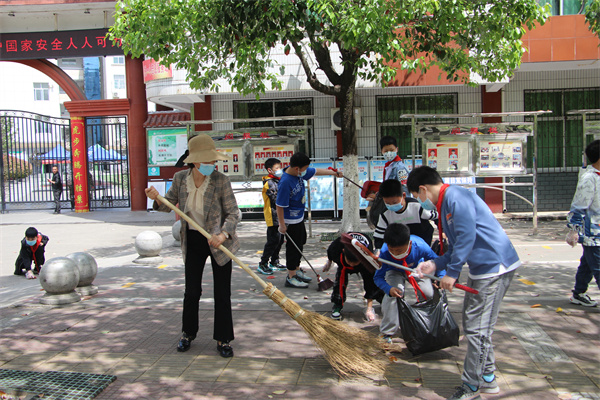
(80, 181)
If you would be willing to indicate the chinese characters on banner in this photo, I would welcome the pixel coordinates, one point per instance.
(153, 70)
(80, 184)
(57, 44)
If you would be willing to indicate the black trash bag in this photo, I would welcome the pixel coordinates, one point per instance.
(428, 326)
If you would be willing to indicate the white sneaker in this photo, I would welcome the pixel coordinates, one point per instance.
(490, 387)
(295, 283)
(583, 299)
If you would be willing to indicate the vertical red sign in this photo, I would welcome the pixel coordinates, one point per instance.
(80, 184)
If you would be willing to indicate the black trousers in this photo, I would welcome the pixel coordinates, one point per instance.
(57, 194)
(198, 251)
(338, 294)
(273, 245)
(292, 256)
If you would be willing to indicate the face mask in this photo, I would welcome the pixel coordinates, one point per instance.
(403, 255)
(301, 174)
(278, 173)
(206, 169)
(31, 242)
(427, 204)
(394, 207)
(389, 155)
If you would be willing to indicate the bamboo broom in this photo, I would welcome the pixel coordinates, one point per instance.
(349, 350)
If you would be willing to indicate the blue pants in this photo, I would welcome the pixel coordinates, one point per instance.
(589, 266)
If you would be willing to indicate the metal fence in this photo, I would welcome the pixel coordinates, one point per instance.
(31, 144)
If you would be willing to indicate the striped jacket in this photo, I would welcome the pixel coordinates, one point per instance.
(221, 212)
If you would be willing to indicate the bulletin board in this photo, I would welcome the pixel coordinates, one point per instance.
(450, 157)
(501, 156)
(165, 146)
(234, 165)
(262, 153)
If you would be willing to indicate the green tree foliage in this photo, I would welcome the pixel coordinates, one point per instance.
(232, 40)
(592, 16)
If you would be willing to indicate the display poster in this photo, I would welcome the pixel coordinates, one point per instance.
(234, 166)
(321, 189)
(363, 176)
(282, 152)
(448, 157)
(165, 146)
(500, 155)
(248, 198)
(409, 163)
(461, 180)
(162, 190)
(377, 170)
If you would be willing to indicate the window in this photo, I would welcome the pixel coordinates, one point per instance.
(69, 61)
(119, 82)
(566, 7)
(119, 60)
(390, 108)
(41, 91)
(275, 108)
(559, 135)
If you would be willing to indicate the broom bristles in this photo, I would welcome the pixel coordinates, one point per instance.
(349, 350)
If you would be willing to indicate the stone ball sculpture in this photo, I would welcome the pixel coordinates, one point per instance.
(87, 265)
(59, 277)
(148, 244)
(176, 230)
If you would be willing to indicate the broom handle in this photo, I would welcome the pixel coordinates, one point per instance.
(335, 169)
(305, 259)
(435, 278)
(208, 236)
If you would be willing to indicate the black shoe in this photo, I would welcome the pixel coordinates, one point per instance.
(225, 350)
(184, 342)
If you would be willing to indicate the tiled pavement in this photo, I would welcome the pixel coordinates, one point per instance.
(131, 327)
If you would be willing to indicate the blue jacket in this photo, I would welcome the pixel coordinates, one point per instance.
(420, 251)
(475, 237)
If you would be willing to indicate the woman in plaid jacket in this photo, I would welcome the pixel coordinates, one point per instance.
(207, 197)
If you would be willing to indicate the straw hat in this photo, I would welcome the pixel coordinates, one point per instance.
(202, 150)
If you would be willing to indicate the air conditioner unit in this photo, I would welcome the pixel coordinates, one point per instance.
(336, 119)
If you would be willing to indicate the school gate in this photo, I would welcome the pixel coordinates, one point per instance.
(32, 143)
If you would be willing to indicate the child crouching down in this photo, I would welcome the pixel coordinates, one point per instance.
(408, 250)
(32, 254)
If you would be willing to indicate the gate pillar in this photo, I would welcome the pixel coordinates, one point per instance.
(80, 165)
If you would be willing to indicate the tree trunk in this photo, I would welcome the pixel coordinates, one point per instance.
(351, 210)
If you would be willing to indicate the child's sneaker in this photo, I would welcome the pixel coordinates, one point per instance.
(464, 392)
(295, 283)
(387, 339)
(583, 300)
(336, 313)
(301, 275)
(264, 269)
(489, 387)
(276, 266)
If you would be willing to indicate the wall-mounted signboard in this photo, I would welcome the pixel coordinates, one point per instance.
(165, 146)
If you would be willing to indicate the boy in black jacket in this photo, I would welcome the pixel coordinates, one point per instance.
(33, 247)
(348, 264)
(274, 238)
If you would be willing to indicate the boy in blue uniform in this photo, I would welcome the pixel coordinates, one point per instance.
(290, 212)
(274, 238)
(475, 238)
(402, 248)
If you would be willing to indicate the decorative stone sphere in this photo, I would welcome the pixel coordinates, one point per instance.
(148, 244)
(176, 230)
(59, 275)
(87, 265)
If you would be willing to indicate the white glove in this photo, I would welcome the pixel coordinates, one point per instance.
(425, 267)
(572, 238)
(327, 266)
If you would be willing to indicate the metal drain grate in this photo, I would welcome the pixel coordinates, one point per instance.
(55, 384)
